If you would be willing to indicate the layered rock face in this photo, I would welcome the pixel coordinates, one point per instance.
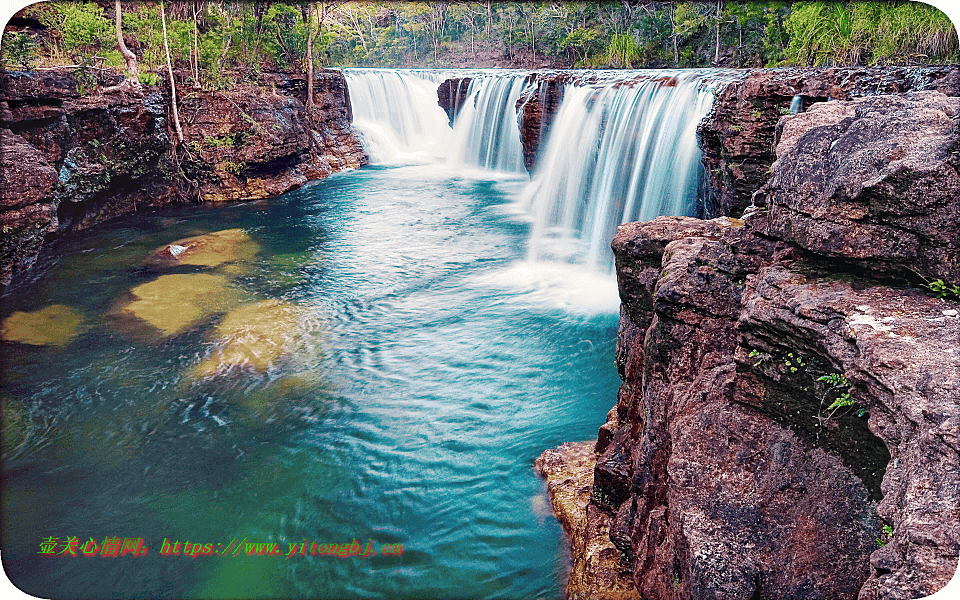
(72, 159)
(788, 421)
(737, 137)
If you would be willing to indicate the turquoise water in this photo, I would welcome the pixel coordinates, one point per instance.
(426, 368)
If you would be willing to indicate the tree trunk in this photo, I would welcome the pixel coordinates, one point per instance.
(310, 61)
(128, 56)
(173, 85)
(716, 55)
(196, 48)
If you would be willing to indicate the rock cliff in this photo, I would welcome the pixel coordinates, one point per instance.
(787, 425)
(71, 159)
(737, 137)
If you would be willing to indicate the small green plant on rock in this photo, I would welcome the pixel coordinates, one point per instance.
(794, 362)
(942, 289)
(885, 536)
(839, 387)
(761, 357)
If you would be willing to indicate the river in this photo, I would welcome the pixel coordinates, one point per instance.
(426, 357)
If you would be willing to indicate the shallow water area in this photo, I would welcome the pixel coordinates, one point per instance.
(421, 366)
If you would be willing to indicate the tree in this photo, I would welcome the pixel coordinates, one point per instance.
(173, 84)
(128, 56)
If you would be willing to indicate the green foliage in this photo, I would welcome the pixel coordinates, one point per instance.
(18, 50)
(854, 33)
(232, 41)
(885, 536)
(942, 289)
(794, 362)
(623, 51)
(82, 26)
(147, 78)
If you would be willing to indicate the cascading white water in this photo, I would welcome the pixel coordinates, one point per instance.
(397, 115)
(486, 133)
(401, 122)
(622, 150)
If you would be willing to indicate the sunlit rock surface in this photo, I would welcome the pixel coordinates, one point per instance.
(55, 325)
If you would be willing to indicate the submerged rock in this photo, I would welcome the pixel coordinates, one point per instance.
(208, 250)
(54, 325)
(250, 337)
(172, 303)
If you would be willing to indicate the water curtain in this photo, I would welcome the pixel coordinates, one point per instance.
(619, 150)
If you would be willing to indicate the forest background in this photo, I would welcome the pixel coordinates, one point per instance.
(217, 43)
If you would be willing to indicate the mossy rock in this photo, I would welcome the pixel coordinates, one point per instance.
(173, 303)
(251, 337)
(54, 325)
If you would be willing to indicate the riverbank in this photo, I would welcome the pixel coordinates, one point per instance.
(74, 157)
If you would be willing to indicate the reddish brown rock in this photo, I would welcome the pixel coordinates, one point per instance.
(451, 94)
(738, 136)
(788, 419)
(722, 471)
(537, 107)
(874, 180)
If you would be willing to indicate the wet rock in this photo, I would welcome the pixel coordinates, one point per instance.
(174, 303)
(55, 325)
(26, 208)
(597, 571)
(451, 94)
(251, 337)
(537, 107)
(208, 250)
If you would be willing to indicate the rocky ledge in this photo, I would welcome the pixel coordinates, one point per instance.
(788, 421)
(737, 137)
(72, 158)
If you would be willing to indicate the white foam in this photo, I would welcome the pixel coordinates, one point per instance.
(567, 287)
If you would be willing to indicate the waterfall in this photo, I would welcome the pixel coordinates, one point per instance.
(397, 115)
(400, 121)
(486, 133)
(622, 146)
(620, 150)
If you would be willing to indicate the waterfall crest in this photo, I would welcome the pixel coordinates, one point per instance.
(622, 146)
(618, 151)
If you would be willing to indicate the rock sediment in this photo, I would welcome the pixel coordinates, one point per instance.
(788, 418)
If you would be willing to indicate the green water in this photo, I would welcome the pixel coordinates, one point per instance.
(426, 368)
